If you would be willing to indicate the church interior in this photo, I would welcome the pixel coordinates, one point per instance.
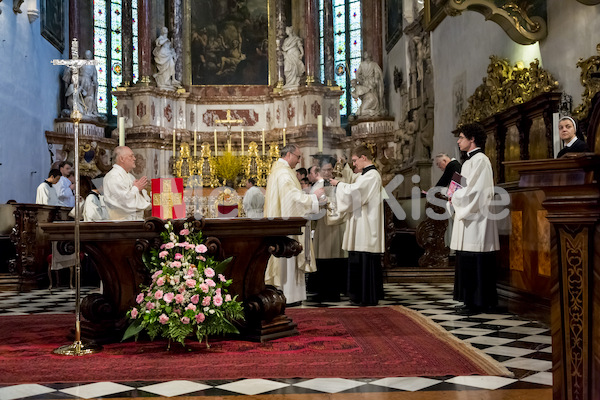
(209, 91)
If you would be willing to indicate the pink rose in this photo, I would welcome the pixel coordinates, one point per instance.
(206, 301)
(222, 278)
(179, 298)
(217, 301)
(200, 318)
(190, 283)
(156, 274)
(158, 295)
(176, 264)
(190, 246)
(162, 246)
(163, 319)
(168, 297)
(201, 248)
(189, 307)
(184, 232)
(185, 320)
(218, 292)
(169, 245)
(150, 305)
(177, 311)
(178, 256)
(195, 299)
(209, 272)
(134, 313)
(227, 297)
(160, 281)
(201, 258)
(210, 283)
(204, 287)
(190, 271)
(181, 289)
(163, 254)
(139, 298)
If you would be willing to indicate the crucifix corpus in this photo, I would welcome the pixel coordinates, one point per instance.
(228, 122)
(77, 348)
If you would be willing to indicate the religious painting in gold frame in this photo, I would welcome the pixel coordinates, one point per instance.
(393, 18)
(433, 13)
(52, 22)
(229, 42)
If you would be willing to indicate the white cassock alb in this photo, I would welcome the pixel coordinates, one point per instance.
(46, 194)
(64, 192)
(363, 202)
(285, 198)
(254, 202)
(329, 231)
(94, 208)
(123, 200)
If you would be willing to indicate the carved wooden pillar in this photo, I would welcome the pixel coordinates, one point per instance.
(279, 38)
(328, 55)
(176, 31)
(74, 26)
(311, 42)
(524, 126)
(573, 205)
(127, 42)
(144, 42)
(372, 28)
(500, 147)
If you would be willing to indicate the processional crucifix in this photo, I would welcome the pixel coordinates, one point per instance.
(77, 348)
(228, 122)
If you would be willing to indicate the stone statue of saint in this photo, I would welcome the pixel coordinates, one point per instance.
(292, 56)
(87, 97)
(164, 58)
(370, 76)
(369, 104)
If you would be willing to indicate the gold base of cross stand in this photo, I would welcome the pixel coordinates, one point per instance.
(78, 348)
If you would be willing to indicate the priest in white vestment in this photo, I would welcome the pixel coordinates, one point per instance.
(475, 231)
(362, 201)
(124, 196)
(284, 198)
(46, 193)
(254, 200)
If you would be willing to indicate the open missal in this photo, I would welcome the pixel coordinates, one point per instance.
(458, 181)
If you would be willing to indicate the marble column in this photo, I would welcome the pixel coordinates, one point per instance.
(74, 26)
(328, 54)
(372, 29)
(279, 38)
(311, 42)
(127, 42)
(144, 42)
(176, 31)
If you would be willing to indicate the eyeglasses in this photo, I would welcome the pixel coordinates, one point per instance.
(299, 156)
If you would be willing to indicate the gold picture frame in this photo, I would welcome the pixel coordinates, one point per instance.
(433, 13)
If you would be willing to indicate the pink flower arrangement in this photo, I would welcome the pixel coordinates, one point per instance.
(184, 298)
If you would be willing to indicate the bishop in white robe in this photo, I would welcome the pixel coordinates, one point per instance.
(285, 198)
(364, 238)
(46, 193)
(124, 196)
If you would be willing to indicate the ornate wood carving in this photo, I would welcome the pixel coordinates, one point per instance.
(524, 125)
(430, 237)
(513, 16)
(590, 80)
(589, 2)
(506, 86)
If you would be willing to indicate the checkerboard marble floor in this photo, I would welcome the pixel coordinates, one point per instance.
(522, 345)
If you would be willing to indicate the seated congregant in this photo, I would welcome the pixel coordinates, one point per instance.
(124, 196)
(567, 129)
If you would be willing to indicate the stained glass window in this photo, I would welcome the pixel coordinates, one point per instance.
(108, 50)
(347, 48)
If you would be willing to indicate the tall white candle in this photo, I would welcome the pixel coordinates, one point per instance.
(320, 133)
(283, 137)
(121, 131)
(263, 141)
(215, 142)
(174, 143)
(242, 141)
(194, 143)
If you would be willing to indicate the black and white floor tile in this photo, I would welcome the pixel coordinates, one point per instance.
(523, 346)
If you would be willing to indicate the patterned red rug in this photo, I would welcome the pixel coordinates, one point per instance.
(333, 342)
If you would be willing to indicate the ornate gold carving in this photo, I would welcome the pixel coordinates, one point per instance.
(506, 86)
(512, 16)
(590, 80)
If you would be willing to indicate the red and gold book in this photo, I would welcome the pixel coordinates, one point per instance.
(167, 198)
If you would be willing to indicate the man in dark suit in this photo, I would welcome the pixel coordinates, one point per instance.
(567, 130)
(449, 166)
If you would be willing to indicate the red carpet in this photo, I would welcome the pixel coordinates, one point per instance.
(345, 343)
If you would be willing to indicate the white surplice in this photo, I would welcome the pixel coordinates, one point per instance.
(46, 194)
(64, 192)
(123, 200)
(254, 202)
(285, 198)
(95, 208)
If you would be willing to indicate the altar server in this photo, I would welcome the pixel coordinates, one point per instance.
(364, 238)
(284, 198)
(475, 232)
(125, 196)
(94, 208)
(46, 193)
(254, 200)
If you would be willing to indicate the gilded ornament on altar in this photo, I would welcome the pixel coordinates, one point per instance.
(506, 86)
(590, 80)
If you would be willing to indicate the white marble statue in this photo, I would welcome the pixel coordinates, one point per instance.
(164, 58)
(292, 56)
(369, 80)
(87, 98)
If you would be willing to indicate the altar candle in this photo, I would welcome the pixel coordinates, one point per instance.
(320, 133)
(194, 143)
(242, 141)
(263, 141)
(121, 131)
(283, 137)
(174, 143)
(215, 142)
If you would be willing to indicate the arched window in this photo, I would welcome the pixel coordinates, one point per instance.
(347, 48)
(108, 51)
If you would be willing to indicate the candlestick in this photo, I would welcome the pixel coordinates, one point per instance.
(242, 141)
(121, 131)
(263, 141)
(229, 146)
(194, 143)
(174, 143)
(283, 137)
(215, 142)
(320, 133)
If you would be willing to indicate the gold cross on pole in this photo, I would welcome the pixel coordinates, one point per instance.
(228, 122)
